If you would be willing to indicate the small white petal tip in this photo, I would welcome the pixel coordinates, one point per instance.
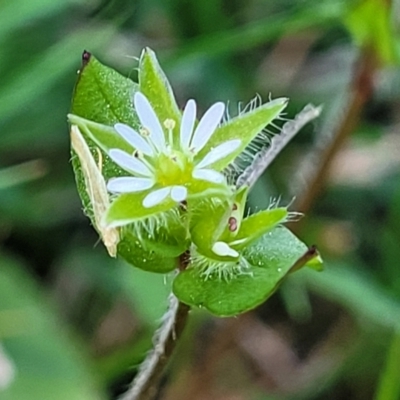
(207, 125)
(208, 175)
(219, 152)
(129, 163)
(129, 184)
(155, 198)
(222, 249)
(149, 120)
(179, 193)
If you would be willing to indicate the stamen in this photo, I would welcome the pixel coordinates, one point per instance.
(144, 132)
(232, 224)
(169, 124)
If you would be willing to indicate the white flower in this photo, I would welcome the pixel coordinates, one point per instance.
(162, 165)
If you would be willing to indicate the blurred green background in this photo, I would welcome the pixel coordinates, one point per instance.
(74, 324)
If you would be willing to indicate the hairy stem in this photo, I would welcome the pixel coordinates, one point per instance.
(266, 156)
(146, 382)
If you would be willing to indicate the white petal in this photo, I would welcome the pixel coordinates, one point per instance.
(129, 163)
(178, 193)
(128, 184)
(219, 152)
(149, 120)
(223, 249)
(207, 126)
(134, 139)
(208, 175)
(187, 123)
(156, 197)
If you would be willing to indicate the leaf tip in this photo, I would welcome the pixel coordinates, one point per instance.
(86, 57)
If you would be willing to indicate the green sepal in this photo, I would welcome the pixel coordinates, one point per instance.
(128, 208)
(155, 86)
(103, 95)
(105, 137)
(171, 237)
(270, 259)
(316, 263)
(209, 219)
(257, 225)
(134, 251)
(244, 127)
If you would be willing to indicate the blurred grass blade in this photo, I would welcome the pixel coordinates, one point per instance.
(259, 32)
(49, 363)
(389, 384)
(356, 292)
(30, 81)
(16, 13)
(21, 173)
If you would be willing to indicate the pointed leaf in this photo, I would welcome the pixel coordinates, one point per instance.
(103, 95)
(257, 225)
(244, 127)
(155, 86)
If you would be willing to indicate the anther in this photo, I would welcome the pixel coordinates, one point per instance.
(183, 205)
(169, 124)
(232, 224)
(144, 131)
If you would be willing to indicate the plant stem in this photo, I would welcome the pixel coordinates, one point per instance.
(361, 90)
(146, 382)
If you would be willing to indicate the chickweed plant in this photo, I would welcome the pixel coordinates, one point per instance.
(159, 183)
(166, 188)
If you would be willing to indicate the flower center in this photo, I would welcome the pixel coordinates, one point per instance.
(173, 168)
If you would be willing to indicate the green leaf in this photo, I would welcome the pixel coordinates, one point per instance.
(155, 86)
(270, 259)
(103, 95)
(245, 127)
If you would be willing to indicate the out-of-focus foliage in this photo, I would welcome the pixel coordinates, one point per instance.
(331, 335)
